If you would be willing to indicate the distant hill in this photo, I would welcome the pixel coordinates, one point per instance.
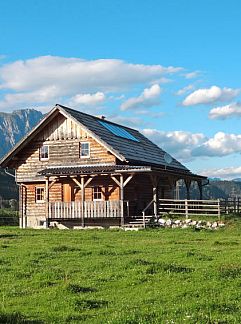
(214, 190)
(13, 127)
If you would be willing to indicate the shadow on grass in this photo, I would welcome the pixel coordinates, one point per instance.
(77, 289)
(17, 318)
(231, 271)
(87, 304)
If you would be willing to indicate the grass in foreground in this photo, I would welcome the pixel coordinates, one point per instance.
(151, 276)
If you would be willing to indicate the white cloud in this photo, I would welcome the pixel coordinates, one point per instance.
(47, 79)
(223, 173)
(220, 145)
(126, 121)
(210, 95)
(178, 143)
(87, 99)
(187, 146)
(185, 90)
(224, 112)
(192, 75)
(25, 98)
(73, 74)
(148, 98)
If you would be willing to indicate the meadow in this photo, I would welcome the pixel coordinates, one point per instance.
(112, 276)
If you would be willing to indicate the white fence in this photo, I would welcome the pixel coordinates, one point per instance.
(189, 207)
(89, 209)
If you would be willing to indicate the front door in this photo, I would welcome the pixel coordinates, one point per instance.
(68, 192)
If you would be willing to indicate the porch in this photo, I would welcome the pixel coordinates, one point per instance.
(87, 209)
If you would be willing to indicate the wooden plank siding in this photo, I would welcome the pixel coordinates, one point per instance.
(63, 137)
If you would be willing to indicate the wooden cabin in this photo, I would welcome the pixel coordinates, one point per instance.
(82, 170)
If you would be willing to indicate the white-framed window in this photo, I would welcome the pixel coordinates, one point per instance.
(39, 194)
(44, 153)
(84, 149)
(97, 193)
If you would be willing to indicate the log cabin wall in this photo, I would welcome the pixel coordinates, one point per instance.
(139, 192)
(63, 137)
(110, 191)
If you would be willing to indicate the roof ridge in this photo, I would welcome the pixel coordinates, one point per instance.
(96, 117)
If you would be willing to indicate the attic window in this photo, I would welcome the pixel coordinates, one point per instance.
(44, 153)
(118, 131)
(84, 150)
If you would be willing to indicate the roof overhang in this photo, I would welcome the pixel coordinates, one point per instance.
(90, 169)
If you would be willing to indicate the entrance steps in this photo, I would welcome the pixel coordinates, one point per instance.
(137, 222)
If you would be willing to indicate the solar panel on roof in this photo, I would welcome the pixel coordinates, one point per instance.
(118, 131)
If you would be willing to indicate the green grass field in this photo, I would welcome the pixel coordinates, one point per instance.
(107, 276)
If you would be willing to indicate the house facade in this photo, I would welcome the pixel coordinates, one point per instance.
(82, 170)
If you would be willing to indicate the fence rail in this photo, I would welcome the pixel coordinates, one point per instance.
(230, 205)
(87, 209)
(190, 207)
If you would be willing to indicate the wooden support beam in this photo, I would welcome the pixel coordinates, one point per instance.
(188, 184)
(155, 181)
(200, 186)
(122, 199)
(47, 201)
(128, 179)
(77, 182)
(116, 181)
(52, 183)
(83, 200)
(88, 181)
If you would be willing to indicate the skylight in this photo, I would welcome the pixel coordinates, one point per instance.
(118, 131)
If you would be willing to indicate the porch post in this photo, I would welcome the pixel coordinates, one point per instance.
(188, 183)
(20, 206)
(122, 199)
(47, 201)
(200, 189)
(154, 180)
(83, 201)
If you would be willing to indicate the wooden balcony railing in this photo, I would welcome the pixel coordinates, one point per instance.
(87, 209)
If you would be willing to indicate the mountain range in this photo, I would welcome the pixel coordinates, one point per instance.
(15, 125)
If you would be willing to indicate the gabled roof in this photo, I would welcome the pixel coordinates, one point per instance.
(140, 151)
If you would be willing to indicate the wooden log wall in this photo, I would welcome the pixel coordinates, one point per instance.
(63, 138)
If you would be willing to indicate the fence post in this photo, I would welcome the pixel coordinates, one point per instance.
(219, 213)
(186, 208)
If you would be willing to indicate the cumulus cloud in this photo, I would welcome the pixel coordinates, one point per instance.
(178, 143)
(187, 146)
(220, 145)
(87, 99)
(223, 173)
(224, 112)
(185, 90)
(72, 74)
(40, 96)
(45, 79)
(148, 98)
(210, 95)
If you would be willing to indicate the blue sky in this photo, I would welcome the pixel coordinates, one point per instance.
(168, 68)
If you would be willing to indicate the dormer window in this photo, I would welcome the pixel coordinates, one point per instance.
(44, 153)
(84, 150)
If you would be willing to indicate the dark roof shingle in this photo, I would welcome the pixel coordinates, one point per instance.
(142, 151)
